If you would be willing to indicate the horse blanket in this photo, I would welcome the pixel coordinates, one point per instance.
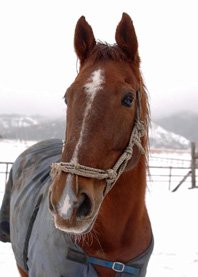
(38, 246)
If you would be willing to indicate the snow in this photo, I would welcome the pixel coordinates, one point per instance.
(10, 149)
(173, 218)
(10, 121)
(164, 138)
(175, 232)
(7, 262)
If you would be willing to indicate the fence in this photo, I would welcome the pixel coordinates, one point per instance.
(175, 171)
(172, 176)
(5, 169)
(194, 158)
(168, 171)
(172, 172)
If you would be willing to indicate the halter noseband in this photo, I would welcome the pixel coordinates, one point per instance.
(110, 175)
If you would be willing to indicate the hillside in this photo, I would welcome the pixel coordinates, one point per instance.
(183, 123)
(161, 138)
(23, 127)
(36, 128)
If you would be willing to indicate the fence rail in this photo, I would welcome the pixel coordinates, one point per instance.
(172, 171)
(172, 176)
(5, 169)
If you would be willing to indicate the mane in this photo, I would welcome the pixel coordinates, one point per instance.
(145, 118)
(105, 51)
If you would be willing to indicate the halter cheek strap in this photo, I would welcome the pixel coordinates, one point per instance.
(109, 175)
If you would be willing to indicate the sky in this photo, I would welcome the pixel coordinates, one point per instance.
(38, 62)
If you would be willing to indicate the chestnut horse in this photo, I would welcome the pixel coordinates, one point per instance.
(89, 218)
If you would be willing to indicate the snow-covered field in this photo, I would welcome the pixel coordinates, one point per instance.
(173, 217)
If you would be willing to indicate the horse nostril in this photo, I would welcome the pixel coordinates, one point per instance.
(51, 206)
(85, 206)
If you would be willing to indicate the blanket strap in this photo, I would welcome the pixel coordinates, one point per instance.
(29, 231)
(116, 266)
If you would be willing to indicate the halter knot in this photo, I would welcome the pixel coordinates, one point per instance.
(76, 166)
(112, 175)
(140, 128)
(129, 151)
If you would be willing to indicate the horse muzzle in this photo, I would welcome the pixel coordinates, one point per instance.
(74, 214)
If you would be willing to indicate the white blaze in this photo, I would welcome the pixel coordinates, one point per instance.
(68, 199)
(93, 85)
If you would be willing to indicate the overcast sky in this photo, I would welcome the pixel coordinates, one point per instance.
(38, 63)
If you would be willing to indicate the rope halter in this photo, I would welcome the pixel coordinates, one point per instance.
(109, 175)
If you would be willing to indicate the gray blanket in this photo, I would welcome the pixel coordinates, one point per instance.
(47, 246)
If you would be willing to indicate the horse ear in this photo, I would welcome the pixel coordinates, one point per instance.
(126, 37)
(84, 40)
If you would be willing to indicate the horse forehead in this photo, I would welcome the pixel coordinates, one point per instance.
(95, 82)
(91, 80)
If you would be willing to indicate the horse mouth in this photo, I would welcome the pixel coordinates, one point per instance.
(74, 225)
(79, 218)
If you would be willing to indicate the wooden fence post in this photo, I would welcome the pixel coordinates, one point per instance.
(193, 165)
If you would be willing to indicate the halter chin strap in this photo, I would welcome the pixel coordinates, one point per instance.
(109, 175)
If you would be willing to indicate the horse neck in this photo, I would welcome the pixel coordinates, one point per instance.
(122, 230)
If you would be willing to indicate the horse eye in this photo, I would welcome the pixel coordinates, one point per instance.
(66, 96)
(65, 99)
(127, 100)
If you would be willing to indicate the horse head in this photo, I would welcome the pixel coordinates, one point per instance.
(104, 103)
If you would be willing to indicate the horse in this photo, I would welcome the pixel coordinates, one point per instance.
(77, 208)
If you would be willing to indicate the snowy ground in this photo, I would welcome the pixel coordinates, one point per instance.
(173, 217)
(175, 228)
